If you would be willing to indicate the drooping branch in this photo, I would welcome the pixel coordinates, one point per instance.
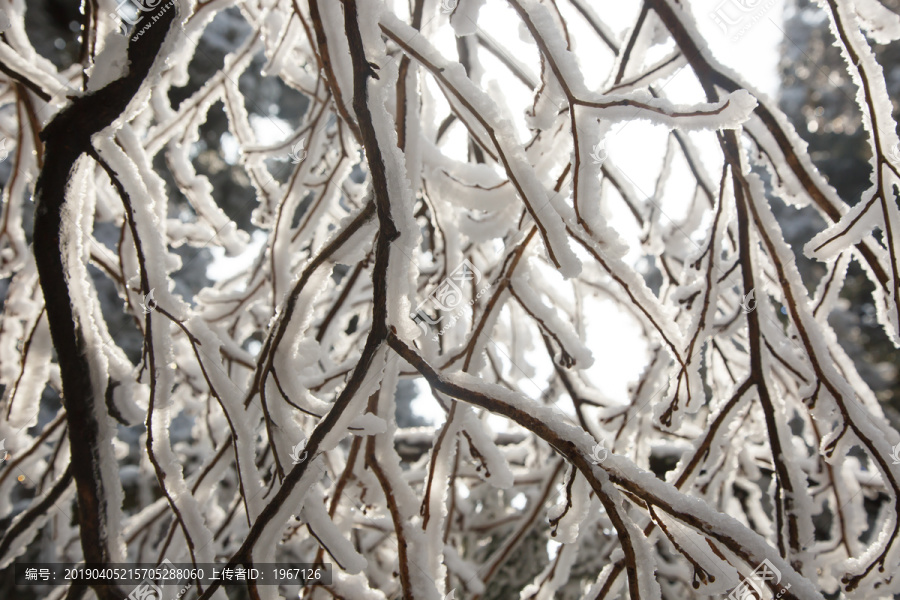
(67, 138)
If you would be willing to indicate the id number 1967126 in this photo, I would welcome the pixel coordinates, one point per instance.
(299, 575)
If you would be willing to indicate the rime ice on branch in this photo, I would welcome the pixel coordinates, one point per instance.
(463, 218)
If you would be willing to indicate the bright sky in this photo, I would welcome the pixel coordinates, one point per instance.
(750, 47)
(755, 54)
